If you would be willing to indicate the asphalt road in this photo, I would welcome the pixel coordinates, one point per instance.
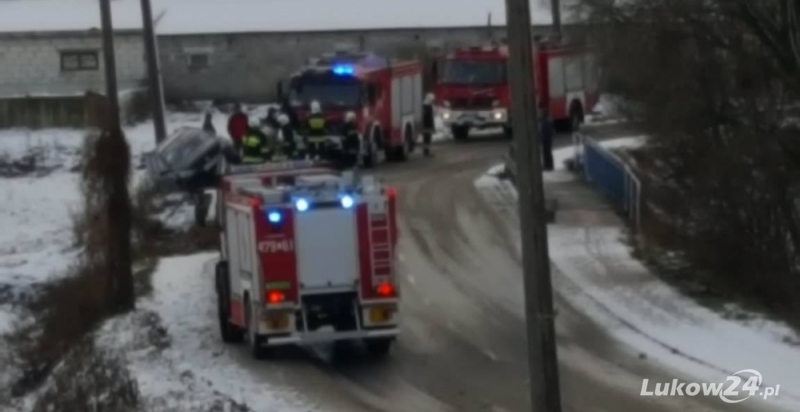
(463, 342)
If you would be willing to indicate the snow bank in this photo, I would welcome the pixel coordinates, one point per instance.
(652, 317)
(184, 17)
(191, 367)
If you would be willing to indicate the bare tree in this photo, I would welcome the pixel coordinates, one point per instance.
(714, 82)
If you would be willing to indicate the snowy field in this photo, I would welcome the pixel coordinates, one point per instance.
(596, 266)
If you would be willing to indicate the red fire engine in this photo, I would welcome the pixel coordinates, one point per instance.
(385, 95)
(304, 247)
(473, 90)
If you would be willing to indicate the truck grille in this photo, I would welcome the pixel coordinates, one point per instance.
(478, 102)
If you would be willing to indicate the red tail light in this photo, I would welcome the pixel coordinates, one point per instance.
(275, 296)
(385, 290)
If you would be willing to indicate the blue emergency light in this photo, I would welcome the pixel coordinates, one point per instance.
(301, 205)
(347, 201)
(343, 70)
(274, 217)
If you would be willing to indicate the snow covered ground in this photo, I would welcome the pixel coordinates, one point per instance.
(188, 368)
(36, 236)
(652, 317)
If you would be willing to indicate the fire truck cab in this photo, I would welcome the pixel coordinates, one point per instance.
(473, 90)
(307, 255)
(386, 97)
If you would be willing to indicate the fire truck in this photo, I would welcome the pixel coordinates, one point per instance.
(385, 95)
(472, 88)
(307, 255)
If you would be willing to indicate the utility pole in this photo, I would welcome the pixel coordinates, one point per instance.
(555, 6)
(112, 157)
(153, 73)
(539, 315)
(109, 60)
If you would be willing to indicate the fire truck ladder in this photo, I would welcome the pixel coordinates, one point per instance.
(380, 238)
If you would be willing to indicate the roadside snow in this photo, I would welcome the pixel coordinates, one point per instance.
(652, 317)
(185, 365)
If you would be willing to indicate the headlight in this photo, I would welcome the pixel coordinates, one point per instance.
(446, 115)
(498, 115)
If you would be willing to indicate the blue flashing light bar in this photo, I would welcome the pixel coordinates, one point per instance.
(274, 217)
(301, 205)
(343, 70)
(347, 201)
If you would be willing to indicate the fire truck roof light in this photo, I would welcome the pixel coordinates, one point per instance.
(347, 201)
(301, 205)
(274, 217)
(343, 70)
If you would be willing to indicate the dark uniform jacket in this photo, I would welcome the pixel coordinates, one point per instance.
(428, 123)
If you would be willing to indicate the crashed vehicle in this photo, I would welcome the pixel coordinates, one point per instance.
(188, 162)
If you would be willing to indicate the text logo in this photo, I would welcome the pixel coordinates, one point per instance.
(738, 387)
(276, 246)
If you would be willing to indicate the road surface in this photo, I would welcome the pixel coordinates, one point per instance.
(463, 341)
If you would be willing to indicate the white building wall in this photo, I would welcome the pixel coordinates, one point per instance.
(31, 65)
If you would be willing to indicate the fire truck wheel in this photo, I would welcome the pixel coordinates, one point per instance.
(378, 347)
(230, 333)
(257, 343)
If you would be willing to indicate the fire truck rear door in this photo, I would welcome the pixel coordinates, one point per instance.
(327, 250)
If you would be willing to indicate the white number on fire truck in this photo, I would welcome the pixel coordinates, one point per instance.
(274, 246)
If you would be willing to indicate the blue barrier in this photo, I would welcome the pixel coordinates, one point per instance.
(611, 176)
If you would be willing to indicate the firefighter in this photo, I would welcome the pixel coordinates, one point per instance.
(546, 133)
(237, 126)
(272, 119)
(291, 146)
(351, 141)
(428, 124)
(316, 131)
(256, 147)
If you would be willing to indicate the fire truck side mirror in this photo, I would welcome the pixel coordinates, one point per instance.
(210, 206)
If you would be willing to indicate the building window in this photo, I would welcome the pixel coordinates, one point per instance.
(198, 61)
(83, 60)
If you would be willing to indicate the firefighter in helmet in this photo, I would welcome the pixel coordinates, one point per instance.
(351, 141)
(290, 143)
(316, 130)
(256, 147)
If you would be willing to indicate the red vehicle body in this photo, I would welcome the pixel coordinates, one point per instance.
(304, 247)
(386, 97)
(473, 91)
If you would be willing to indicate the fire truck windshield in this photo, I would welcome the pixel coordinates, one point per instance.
(336, 94)
(478, 72)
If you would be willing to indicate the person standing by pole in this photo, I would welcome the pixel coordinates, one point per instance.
(546, 133)
(539, 315)
(428, 124)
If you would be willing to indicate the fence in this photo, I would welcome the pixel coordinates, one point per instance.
(610, 175)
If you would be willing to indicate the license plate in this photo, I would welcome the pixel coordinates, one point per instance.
(278, 321)
(380, 315)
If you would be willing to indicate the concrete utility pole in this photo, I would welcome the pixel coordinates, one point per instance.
(542, 357)
(109, 60)
(153, 73)
(555, 6)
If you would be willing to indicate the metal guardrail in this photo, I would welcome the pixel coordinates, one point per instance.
(611, 175)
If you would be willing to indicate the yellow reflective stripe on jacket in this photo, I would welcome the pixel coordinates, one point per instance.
(252, 141)
(316, 123)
